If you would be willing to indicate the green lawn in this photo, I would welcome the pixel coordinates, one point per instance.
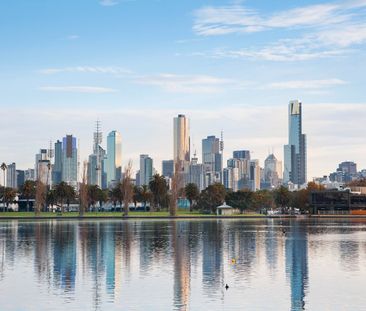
(115, 214)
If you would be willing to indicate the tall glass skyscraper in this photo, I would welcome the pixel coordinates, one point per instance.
(181, 140)
(295, 151)
(146, 169)
(212, 158)
(57, 166)
(70, 161)
(114, 157)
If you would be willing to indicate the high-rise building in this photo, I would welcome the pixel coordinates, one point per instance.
(20, 178)
(181, 140)
(196, 174)
(146, 169)
(182, 148)
(11, 176)
(272, 172)
(243, 172)
(241, 154)
(168, 168)
(212, 159)
(57, 166)
(113, 163)
(295, 151)
(41, 156)
(29, 174)
(70, 160)
(44, 172)
(231, 178)
(96, 166)
(255, 175)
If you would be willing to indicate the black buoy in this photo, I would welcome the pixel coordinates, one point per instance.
(284, 231)
(226, 287)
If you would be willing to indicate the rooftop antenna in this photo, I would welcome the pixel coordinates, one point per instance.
(51, 152)
(222, 142)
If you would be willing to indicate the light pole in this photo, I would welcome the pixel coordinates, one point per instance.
(3, 167)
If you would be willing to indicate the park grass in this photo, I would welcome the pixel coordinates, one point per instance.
(133, 214)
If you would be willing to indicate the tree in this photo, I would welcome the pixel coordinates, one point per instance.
(211, 197)
(146, 195)
(159, 190)
(102, 197)
(93, 195)
(282, 196)
(192, 194)
(115, 195)
(28, 191)
(9, 196)
(127, 188)
(83, 192)
(64, 192)
(262, 199)
(242, 199)
(41, 190)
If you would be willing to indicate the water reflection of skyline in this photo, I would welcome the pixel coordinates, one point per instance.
(106, 255)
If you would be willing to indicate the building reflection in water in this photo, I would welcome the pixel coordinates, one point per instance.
(96, 259)
(296, 250)
(182, 264)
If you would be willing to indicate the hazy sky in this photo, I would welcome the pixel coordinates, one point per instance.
(231, 65)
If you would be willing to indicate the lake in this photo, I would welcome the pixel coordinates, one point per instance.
(268, 264)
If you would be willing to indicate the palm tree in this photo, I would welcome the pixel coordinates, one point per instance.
(159, 190)
(93, 195)
(115, 195)
(28, 190)
(62, 192)
(146, 195)
(9, 196)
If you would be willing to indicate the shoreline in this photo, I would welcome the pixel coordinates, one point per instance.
(182, 217)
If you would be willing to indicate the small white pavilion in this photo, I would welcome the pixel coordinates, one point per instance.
(224, 210)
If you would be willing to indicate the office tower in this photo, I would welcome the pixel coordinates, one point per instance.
(181, 148)
(346, 172)
(212, 159)
(231, 178)
(29, 174)
(70, 160)
(11, 176)
(272, 172)
(20, 178)
(241, 154)
(96, 166)
(146, 169)
(181, 141)
(44, 172)
(113, 163)
(295, 151)
(57, 166)
(243, 171)
(41, 156)
(255, 175)
(168, 168)
(197, 174)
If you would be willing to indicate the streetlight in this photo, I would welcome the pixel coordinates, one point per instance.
(3, 167)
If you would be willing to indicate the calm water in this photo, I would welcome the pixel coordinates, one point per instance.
(183, 265)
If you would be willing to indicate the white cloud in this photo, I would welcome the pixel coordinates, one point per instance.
(186, 83)
(212, 20)
(77, 89)
(305, 84)
(87, 69)
(73, 37)
(108, 2)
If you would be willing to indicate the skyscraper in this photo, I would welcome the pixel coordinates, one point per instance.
(11, 176)
(295, 151)
(70, 161)
(272, 172)
(168, 168)
(181, 140)
(96, 169)
(146, 169)
(182, 148)
(212, 159)
(57, 167)
(114, 157)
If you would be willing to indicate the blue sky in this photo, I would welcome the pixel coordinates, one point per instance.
(231, 65)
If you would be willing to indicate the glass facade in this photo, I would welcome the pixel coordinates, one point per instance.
(113, 164)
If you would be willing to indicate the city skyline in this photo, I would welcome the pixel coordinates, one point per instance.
(228, 65)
